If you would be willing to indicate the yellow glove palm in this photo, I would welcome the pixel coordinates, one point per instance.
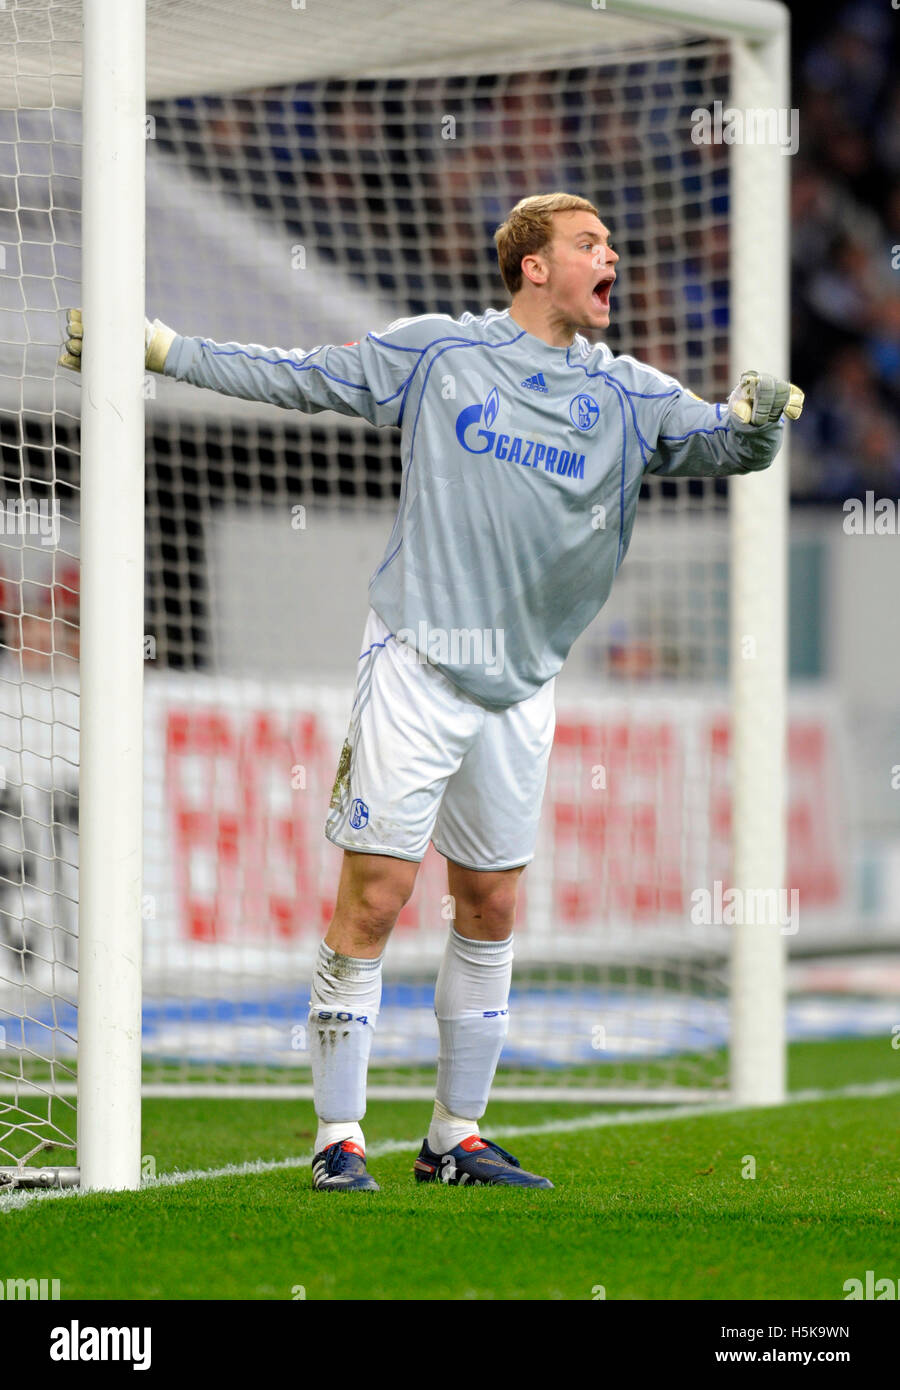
(761, 399)
(157, 341)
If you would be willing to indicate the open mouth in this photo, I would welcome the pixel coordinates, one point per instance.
(601, 291)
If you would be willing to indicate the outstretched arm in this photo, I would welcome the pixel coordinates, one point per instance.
(368, 378)
(743, 435)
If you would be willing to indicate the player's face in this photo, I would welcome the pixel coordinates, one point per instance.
(580, 263)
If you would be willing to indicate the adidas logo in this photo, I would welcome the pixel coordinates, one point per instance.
(536, 383)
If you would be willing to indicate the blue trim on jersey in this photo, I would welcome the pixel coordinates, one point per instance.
(302, 367)
(677, 438)
(384, 564)
(644, 444)
(457, 342)
(619, 390)
(376, 644)
(366, 653)
(400, 347)
(409, 380)
(622, 475)
(646, 448)
(477, 342)
(295, 366)
(655, 395)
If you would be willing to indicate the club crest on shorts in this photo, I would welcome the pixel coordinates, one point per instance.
(359, 814)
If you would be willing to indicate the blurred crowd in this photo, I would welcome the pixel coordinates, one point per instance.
(845, 198)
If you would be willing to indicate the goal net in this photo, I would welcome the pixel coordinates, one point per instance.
(308, 179)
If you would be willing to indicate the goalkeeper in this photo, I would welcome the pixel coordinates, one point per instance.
(516, 435)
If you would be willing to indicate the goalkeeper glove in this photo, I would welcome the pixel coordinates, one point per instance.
(157, 341)
(760, 399)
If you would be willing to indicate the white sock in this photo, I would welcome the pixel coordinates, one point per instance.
(343, 1008)
(447, 1130)
(471, 1001)
(336, 1133)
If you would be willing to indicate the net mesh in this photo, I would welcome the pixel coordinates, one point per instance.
(39, 631)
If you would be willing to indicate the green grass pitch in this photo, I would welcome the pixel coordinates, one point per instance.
(656, 1210)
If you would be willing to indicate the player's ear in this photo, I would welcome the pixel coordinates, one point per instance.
(535, 268)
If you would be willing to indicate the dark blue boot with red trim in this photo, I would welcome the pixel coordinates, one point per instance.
(341, 1167)
(476, 1162)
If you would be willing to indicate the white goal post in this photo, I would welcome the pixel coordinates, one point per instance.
(112, 598)
(254, 47)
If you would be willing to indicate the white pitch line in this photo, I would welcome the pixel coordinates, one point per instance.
(15, 1200)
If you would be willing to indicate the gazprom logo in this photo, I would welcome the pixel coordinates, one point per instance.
(472, 415)
(515, 448)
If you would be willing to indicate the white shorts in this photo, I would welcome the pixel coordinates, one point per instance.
(424, 761)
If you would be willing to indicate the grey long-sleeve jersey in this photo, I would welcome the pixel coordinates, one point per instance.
(522, 465)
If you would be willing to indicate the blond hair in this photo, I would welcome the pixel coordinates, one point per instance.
(528, 229)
